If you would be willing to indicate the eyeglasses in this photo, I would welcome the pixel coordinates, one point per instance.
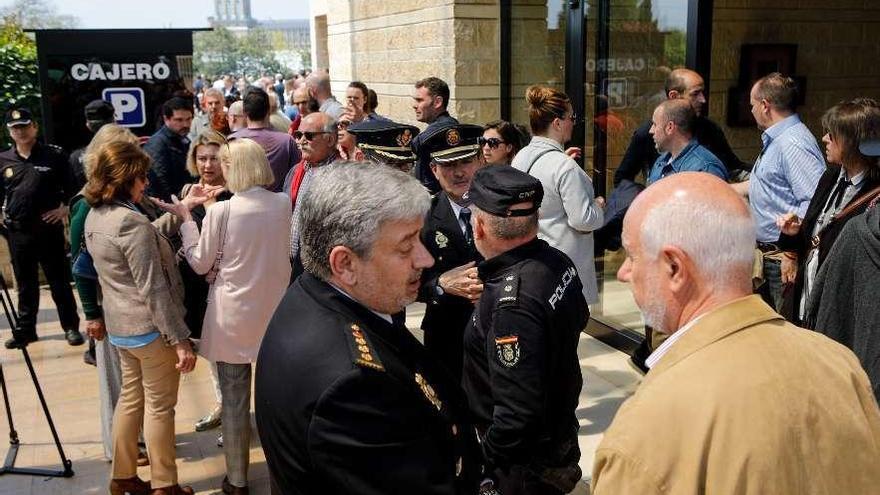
(573, 117)
(343, 125)
(309, 135)
(303, 102)
(491, 142)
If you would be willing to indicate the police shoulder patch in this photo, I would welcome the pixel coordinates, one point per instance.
(361, 351)
(509, 290)
(507, 350)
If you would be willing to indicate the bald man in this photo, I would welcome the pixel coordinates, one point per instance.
(672, 127)
(736, 400)
(318, 83)
(641, 154)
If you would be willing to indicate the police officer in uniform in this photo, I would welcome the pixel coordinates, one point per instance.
(98, 113)
(521, 372)
(347, 400)
(35, 190)
(450, 287)
(386, 142)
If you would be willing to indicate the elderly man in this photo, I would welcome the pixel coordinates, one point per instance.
(304, 104)
(212, 102)
(451, 287)
(347, 400)
(672, 129)
(521, 371)
(235, 116)
(316, 139)
(685, 85)
(737, 400)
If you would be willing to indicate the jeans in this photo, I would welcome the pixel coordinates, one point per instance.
(771, 291)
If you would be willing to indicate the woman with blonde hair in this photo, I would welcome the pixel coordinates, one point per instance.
(143, 313)
(569, 213)
(245, 242)
(203, 162)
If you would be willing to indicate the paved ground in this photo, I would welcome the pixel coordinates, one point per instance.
(71, 391)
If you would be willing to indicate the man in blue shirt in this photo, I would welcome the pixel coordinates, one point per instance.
(672, 130)
(785, 175)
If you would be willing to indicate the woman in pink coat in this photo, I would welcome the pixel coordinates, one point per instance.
(245, 242)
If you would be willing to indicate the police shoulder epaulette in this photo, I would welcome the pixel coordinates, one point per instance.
(361, 351)
(509, 289)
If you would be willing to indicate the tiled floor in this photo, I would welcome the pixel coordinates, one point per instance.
(71, 391)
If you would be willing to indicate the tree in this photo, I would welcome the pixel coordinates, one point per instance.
(220, 51)
(19, 84)
(38, 14)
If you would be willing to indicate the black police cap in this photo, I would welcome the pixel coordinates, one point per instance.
(99, 111)
(18, 116)
(495, 188)
(453, 142)
(385, 139)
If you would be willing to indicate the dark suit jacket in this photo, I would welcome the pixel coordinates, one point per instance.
(423, 155)
(347, 403)
(801, 242)
(446, 315)
(168, 173)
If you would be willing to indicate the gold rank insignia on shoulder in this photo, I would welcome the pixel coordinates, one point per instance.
(441, 239)
(507, 349)
(361, 351)
(428, 390)
(9, 173)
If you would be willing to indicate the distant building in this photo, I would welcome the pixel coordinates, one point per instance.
(289, 38)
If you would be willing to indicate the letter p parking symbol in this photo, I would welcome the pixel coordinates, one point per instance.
(128, 105)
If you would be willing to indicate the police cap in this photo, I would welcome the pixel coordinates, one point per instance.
(384, 139)
(99, 111)
(452, 143)
(494, 189)
(18, 116)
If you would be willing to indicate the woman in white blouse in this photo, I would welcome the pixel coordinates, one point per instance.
(570, 211)
(245, 241)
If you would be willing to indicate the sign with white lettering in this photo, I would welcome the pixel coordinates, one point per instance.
(120, 72)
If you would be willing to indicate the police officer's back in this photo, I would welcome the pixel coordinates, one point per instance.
(521, 374)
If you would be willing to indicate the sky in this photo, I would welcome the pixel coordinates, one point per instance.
(105, 14)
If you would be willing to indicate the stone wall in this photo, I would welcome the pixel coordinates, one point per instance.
(837, 52)
(389, 45)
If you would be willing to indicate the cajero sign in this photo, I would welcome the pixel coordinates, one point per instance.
(120, 72)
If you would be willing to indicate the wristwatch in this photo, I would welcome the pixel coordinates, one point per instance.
(438, 289)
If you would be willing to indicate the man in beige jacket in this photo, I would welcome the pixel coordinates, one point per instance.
(737, 401)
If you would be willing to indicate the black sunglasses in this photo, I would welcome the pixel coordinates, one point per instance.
(309, 135)
(492, 142)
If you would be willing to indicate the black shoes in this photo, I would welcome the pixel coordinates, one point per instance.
(20, 339)
(230, 489)
(73, 336)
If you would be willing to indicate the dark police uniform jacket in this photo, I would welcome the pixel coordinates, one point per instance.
(34, 185)
(347, 403)
(423, 154)
(521, 373)
(445, 315)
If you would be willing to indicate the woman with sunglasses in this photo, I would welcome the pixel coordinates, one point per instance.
(501, 141)
(569, 213)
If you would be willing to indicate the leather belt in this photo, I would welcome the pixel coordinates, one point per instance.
(767, 247)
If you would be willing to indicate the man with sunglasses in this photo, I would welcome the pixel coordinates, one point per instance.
(450, 287)
(316, 139)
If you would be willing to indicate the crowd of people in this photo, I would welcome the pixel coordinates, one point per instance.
(273, 224)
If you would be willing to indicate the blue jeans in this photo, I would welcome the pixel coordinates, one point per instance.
(771, 291)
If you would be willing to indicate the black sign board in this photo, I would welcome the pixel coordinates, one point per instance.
(134, 69)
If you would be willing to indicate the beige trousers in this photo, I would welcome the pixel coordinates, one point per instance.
(149, 394)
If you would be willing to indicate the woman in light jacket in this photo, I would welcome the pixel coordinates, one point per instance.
(143, 314)
(246, 240)
(569, 213)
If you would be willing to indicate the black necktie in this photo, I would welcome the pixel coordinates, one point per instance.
(839, 191)
(465, 216)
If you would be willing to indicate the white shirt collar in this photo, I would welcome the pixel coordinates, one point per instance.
(380, 315)
(669, 342)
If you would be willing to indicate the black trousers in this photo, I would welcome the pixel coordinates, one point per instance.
(41, 245)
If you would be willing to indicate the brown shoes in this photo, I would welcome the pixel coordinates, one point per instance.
(129, 486)
(173, 490)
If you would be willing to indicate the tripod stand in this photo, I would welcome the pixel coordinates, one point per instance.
(9, 464)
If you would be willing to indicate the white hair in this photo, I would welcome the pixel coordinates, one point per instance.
(721, 243)
(347, 204)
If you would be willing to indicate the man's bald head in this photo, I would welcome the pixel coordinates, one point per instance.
(687, 84)
(689, 238)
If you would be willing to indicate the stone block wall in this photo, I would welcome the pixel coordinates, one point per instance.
(837, 51)
(389, 45)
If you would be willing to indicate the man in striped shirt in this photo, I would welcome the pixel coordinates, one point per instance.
(785, 175)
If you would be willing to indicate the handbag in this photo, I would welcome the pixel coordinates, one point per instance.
(212, 273)
(84, 265)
